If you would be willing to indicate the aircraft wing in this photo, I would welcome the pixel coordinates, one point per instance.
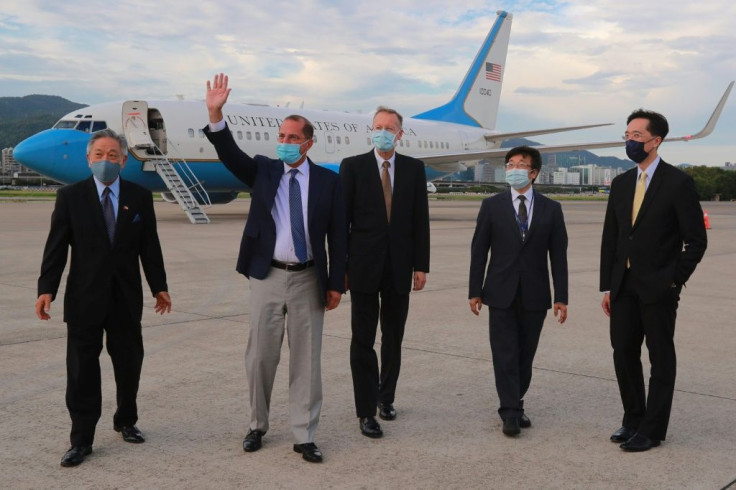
(451, 162)
(523, 134)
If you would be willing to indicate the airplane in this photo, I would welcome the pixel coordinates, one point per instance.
(168, 152)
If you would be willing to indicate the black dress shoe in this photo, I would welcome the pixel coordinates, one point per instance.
(524, 421)
(310, 452)
(369, 427)
(386, 411)
(638, 443)
(130, 433)
(252, 441)
(622, 435)
(511, 426)
(75, 455)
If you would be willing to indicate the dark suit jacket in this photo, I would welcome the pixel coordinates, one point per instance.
(371, 237)
(77, 221)
(325, 213)
(666, 242)
(515, 263)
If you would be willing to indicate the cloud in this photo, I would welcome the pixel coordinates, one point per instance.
(568, 62)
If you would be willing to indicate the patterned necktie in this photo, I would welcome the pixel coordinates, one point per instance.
(297, 218)
(386, 184)
(522, 216)
(109, 213)
(641, 188)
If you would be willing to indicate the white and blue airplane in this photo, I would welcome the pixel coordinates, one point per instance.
(168, 152)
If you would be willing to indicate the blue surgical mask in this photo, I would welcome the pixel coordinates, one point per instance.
(383, 140)
(517, 178)
(105, 171)
(635, 151)
(289, 152)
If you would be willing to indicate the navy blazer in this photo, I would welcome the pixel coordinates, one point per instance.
(77, 222)
(372, 239)
(515, 262)
(325, 213)
(665, 243)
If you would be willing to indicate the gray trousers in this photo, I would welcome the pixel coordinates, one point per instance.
(290, 300)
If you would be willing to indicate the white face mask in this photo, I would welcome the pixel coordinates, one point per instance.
(517, 178)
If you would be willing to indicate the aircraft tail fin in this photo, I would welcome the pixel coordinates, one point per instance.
(476, 101)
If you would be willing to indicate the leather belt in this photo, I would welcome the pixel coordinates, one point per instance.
(292, 267)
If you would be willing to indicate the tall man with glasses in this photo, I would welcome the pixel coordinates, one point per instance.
(296, 209)
(653, 237)
(521, 228)
(388, 252)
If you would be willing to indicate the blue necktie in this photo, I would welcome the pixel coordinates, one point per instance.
(297, 219)
(109, 213)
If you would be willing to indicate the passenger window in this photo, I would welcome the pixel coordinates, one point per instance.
(248, 135)
(329, 139)
(201, 133)
(191, 132)
(240, 135)
(347, 140)
(265, 136)
(337, 140)
(258, 136)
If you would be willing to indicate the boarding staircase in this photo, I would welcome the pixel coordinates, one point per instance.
(185, 187)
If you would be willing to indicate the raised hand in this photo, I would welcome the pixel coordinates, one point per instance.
(217, 94)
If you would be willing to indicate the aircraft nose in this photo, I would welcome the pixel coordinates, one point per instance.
(56, 153)
(36, 153)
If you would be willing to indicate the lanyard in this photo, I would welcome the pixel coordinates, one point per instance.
(525, 224)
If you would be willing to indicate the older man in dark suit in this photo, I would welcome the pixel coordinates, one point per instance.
(296, 209)
(388, 251)
(523, 231)
(110, 225)
(653, 237)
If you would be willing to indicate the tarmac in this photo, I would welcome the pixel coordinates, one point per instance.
(193, 403)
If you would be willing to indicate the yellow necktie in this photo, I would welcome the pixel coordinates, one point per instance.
(641, 188)
(386, 184)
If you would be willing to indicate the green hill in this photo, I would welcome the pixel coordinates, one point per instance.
(21, 117)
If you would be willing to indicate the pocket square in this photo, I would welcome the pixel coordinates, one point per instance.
(136, 218)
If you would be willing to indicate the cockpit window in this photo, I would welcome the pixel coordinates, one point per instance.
(85, 126)
(65, 125)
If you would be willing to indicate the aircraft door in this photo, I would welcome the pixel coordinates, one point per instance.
(135, 125)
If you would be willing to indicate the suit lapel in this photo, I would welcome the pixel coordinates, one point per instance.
(537, 208)
(95, 206)
(509, 216)
(313, 193)
(628, 187)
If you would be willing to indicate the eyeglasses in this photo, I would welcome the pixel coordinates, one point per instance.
(521, 165)
(636, 136)
(390, 129)
(292, 138)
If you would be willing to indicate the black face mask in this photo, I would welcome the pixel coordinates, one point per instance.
(635, 150)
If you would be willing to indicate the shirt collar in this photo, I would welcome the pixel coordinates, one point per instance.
(528, 194)
(303, 168)
(114, 187)
(650, 169)
(380, 159)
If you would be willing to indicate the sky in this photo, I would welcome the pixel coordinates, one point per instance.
(569, 63)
